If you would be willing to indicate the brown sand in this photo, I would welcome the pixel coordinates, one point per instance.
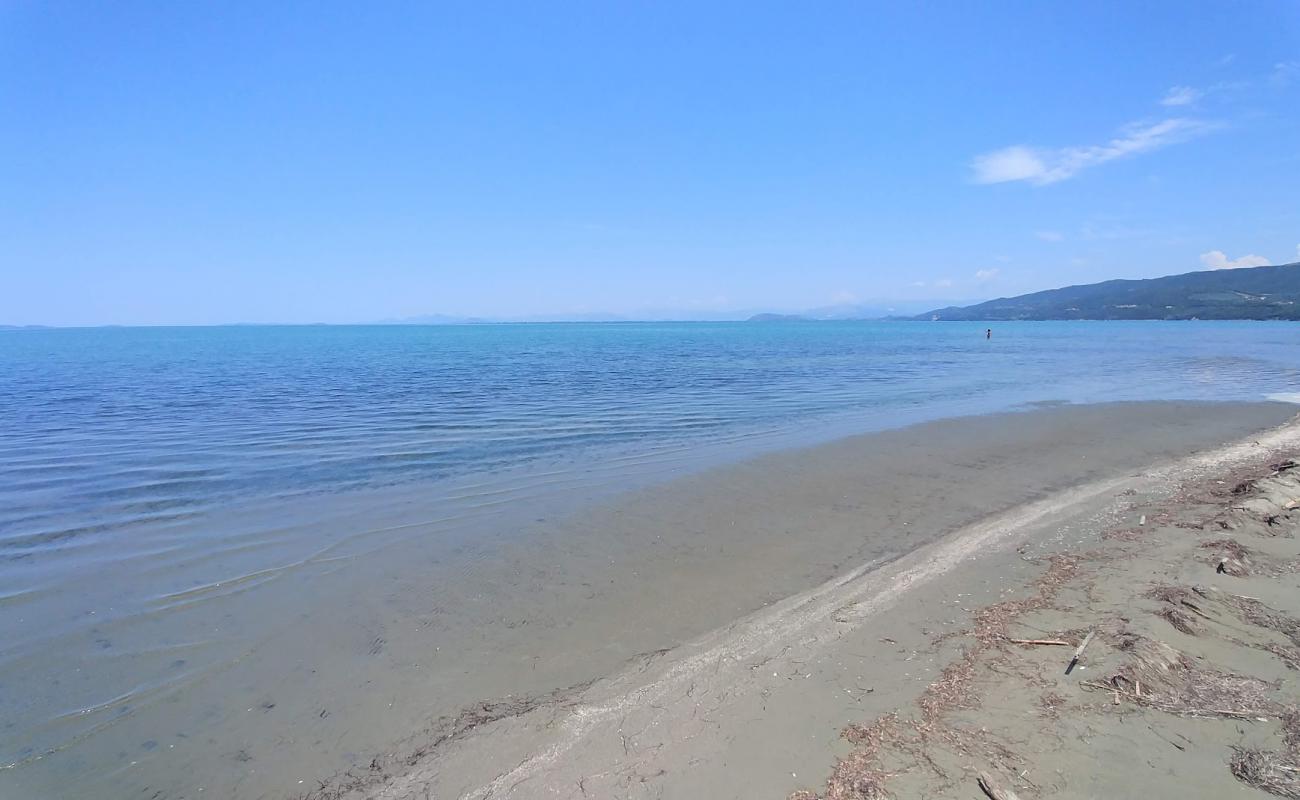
(898, 680)
(1186, 689)
(703, 637)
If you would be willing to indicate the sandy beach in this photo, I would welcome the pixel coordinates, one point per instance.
(648, 400)
(705, 635)
(898, 676)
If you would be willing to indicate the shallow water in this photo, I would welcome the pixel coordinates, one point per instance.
(177, 503)
(106, 429)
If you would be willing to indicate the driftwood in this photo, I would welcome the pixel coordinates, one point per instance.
(1078, 651)
(1038, 641)
(994, 791)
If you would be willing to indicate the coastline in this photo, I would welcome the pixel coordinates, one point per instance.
(560, 612)
(755, 707)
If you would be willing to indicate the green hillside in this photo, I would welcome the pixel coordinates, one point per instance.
(1255, 293)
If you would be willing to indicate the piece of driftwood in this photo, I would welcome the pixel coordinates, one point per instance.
(1078, 651)
(1037, 641)
(993, 791)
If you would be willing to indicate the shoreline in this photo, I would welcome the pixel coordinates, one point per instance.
(751, 707)
(476, 648)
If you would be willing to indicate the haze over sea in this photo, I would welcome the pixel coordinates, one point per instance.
(159, 486)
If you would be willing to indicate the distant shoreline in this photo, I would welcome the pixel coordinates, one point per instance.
(762, 319)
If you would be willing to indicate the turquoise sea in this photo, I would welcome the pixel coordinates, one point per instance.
(102, 430)
(152, 479)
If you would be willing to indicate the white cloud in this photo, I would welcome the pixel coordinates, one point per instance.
(1050, 236)
(1217, 259)
(1041, 166)
(1181, 96)
(1285, 72)
(1297, 251)
(985, 275)
(943, 283)
(1017, 163)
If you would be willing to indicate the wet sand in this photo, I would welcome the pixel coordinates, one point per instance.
(901, 680)
(673, 641)
(685, 654)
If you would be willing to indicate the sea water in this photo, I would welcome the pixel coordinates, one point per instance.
(161, 487)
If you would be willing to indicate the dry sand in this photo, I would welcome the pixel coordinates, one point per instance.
(897, 679)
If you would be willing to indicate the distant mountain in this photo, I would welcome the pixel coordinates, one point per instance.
(769, 317)
(1254, 293)
(849, 311)
(871, 310)
(430, 319)
(644, 315)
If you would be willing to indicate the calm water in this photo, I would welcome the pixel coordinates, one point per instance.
(103, 429)
(146, 474)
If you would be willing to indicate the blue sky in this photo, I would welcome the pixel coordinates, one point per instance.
(228, 162)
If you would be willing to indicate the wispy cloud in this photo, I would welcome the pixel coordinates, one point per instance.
(1286, 72)
(1217, 259)
(1181, 96)
(1042, 166)
(986, 275)
(1050, 236)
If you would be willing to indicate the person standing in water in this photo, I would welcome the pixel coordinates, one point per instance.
(988, 333)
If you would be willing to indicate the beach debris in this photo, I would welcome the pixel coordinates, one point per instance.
(1181, 596)
(1232, 557)
(1179, 620)
(1138, 675)
(1255, 612)
(1160, 677)
(1272, 772)
(1078, 651)
(992, 790)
